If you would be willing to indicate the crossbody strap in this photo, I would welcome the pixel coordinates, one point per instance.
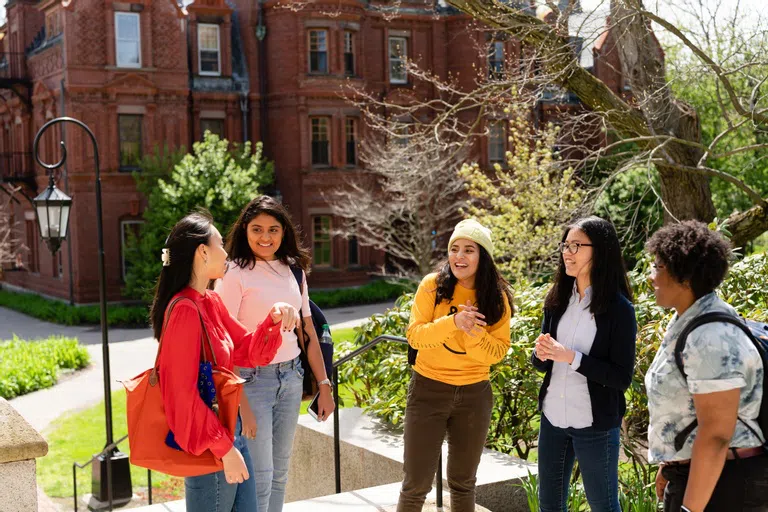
(204, 338)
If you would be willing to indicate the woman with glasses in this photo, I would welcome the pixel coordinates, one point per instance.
(587, 351)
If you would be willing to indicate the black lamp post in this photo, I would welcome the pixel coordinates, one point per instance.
(111, 473)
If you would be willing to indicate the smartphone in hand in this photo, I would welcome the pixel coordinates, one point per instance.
(314, 406)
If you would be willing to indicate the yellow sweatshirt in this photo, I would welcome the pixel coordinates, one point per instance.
(446, 353)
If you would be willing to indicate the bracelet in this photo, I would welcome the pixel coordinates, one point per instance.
(683, 508)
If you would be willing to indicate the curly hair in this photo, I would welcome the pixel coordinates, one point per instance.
(693, 254)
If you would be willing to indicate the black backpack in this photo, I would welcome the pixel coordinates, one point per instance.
(758, 333)
(318, 320)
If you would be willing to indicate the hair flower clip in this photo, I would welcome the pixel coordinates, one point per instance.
(166, 257)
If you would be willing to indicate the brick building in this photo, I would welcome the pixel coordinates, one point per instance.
(146, 72)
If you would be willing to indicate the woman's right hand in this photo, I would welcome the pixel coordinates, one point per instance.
(234, 467)
(469, 319)
(536, 350)
(661, 484)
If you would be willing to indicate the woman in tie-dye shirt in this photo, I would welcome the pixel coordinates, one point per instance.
(721, 464)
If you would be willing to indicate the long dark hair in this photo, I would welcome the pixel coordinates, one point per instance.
(608, 274)
(490, 285)
(186, 236)
(290, 251)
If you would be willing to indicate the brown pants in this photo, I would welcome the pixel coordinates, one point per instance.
(435, 409)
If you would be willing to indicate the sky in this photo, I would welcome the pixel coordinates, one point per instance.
(750, 8)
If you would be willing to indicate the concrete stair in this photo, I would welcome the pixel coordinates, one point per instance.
(374, 499)
(372, 470)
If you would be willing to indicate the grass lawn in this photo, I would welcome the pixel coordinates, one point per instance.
(77, 436)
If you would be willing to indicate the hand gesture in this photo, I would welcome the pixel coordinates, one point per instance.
(469, 319)
(325, 404)
(234, 467)
(248, 420)
(549, 349)
(285, 313)
(661, 484)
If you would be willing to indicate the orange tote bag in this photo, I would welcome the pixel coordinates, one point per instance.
(148, 426)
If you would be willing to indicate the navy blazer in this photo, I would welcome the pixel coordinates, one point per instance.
(608, 367)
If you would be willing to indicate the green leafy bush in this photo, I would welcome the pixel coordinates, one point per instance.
(27, 366)
(62, 313)
(383, 371)
(377, 291)
(217, 175)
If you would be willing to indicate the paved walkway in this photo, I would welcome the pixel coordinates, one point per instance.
(131, 352)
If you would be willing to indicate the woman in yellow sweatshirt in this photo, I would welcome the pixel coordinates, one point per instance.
(459, 327)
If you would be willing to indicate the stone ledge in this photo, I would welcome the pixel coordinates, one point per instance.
(18, 440)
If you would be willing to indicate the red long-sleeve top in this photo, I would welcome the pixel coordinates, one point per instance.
(195, 426)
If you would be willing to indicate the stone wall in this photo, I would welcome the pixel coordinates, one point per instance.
(20, 445)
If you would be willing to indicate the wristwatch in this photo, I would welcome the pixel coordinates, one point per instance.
(327, 382)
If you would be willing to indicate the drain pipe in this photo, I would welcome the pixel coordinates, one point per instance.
(244, 112)
(261, 36)
(63, 111)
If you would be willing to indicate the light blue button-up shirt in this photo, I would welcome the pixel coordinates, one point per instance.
(567, 403)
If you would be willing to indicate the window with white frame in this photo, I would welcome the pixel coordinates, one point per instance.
(349, 53)
(496, 142)
(128, 39)
(496, 60)
(318, 51)
(321, 141)
(322, 252)
(129, 237)
(398, 52)
(350, 127)
(215, 126)
(209, 51)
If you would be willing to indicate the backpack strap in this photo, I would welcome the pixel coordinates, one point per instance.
(706, 318)
(298, 274)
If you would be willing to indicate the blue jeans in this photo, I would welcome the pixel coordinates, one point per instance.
(274, 394)
(212, 493)
(598, 454)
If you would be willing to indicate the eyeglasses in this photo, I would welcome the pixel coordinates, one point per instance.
(572, 247)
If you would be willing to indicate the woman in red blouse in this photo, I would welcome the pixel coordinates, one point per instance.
(193, 256)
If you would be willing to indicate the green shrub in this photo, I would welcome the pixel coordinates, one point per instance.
(382, 373)
(27, 366)
(62, 313)
(377, 291)
(216, 175)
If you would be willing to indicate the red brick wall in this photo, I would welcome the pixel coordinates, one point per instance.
(96, 91)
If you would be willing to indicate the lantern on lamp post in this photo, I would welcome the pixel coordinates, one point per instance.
(111, 482)
(52, 207)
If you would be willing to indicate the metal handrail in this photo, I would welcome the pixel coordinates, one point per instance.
(107, 450)
(337, 442)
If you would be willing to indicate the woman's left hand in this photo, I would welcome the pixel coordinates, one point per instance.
(286, 313)
(548, 348)
(249, 424)
(325, 405)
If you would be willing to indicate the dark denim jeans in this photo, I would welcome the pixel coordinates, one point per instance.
(742, 486)
(598, 454)
(212, 493)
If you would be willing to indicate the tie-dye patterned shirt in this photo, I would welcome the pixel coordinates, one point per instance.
(717, 357)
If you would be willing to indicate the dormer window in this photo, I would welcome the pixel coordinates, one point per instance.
(209, 49)
(128, 39)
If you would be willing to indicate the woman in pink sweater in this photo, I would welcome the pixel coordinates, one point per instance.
(262, 247)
